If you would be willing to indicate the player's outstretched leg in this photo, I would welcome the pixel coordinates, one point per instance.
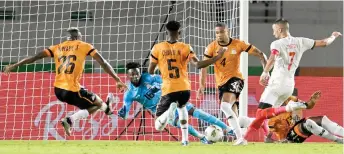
(183, 119)
(200, 114)
(162, 120)
(311, 126)
(331, 126)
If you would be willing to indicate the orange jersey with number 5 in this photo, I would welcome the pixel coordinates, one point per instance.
(69, 57)
(228, 66)
(172, 60)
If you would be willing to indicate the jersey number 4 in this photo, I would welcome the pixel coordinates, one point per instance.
(67, 64)
(171, 68)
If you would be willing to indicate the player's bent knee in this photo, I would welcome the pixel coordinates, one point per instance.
(98, 101)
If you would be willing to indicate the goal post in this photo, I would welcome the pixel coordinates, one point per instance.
(122, 31)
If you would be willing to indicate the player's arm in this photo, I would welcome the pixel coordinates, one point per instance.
(206, 62)
(327, 41)
(108, 69)
(313, 100)
(127, 102)
(258, 53)
(269, 64)
(203, 73)
(153, 61)
(27, 60)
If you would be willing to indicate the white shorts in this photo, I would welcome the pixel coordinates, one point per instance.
(276, 93)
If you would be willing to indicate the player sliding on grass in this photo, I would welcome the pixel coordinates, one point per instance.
(289, 127)
(69, 59)
(146, 90)
(286, 53)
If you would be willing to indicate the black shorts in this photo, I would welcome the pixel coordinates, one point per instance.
(233, 85)
(298, 133)
(81, 99)
(180, 97)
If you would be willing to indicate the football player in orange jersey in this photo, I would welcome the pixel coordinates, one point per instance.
(172, 58)
(289, 127)
(227, 74)
(69, 59)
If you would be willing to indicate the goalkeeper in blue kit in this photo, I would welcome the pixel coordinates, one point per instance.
(145, 89)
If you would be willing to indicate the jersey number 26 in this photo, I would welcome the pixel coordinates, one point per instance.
(67, 64)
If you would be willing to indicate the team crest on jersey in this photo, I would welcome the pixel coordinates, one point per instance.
(233, 51)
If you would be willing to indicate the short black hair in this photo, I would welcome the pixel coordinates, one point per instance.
(221, 24)
(281, 21)
(132, 65)
(73, 32)
(173, 25)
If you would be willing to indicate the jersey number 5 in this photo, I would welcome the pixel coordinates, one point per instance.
(67, 64)
(291, 55)
(170, 68)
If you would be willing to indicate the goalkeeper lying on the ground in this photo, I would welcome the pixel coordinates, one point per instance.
(289, 127)
(145, 89)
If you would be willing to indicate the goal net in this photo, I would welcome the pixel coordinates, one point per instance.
(123, 31)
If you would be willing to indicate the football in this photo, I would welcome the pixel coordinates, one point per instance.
(213, 133)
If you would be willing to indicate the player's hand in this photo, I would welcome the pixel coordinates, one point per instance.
(121, 86)
(315, 96)
(7, 69)
(221, 51)
(264, 79)
(200, 92)
(122, 112)
(336, 34)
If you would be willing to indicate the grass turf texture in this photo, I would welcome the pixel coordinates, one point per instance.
(147, 147)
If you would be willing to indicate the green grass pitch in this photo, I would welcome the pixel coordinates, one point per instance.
(147, 147)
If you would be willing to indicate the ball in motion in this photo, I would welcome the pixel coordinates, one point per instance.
(213, 133)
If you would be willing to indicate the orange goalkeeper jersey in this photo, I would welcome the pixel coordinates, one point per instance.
(69, 57)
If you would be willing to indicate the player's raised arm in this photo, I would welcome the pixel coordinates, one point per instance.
(256, 52)
(127, 102)
(327, 41)
(24, 61)
(108, 69)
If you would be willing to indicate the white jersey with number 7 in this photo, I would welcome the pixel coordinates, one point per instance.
(288, 53)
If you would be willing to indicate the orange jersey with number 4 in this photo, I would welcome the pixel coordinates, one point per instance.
(69, 58)
(172, 60)
(228, 66)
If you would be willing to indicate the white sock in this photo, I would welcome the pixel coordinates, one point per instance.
(232, 118)
(332, 127)
(183, 115)
(244, 121)
(161, 121)
(319, 131)
(103, 107)
(79, 115)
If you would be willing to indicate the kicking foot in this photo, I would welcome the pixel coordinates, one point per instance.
(339, 141)
(205, 141)
(109, 101)
(240, 141)
(67, 124)
(292, 106)
(185, 143)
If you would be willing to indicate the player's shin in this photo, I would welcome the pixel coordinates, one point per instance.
(79, 115)
(232, 118)
(200, 114)
(183, 119)
(319, 131)
(332, 127)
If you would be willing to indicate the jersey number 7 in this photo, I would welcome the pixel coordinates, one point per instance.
(291, 55)
(67, 64)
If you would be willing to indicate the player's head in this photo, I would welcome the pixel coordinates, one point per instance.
(280, 28)
(74, 33)
(222, 33)
(133, 72)
(173, 28)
